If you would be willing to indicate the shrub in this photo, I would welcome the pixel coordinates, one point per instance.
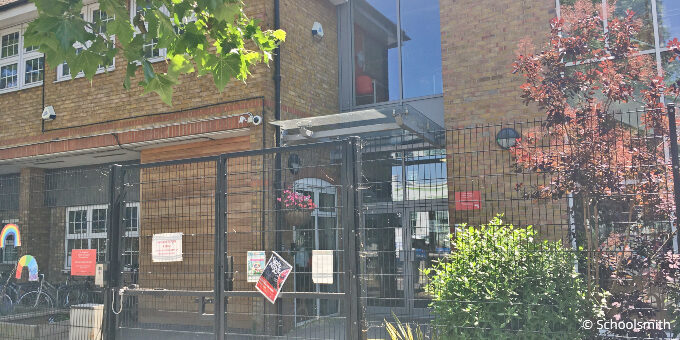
(501, 283)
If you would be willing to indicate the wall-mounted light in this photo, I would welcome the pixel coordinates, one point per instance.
(507, 138)
(317, 30)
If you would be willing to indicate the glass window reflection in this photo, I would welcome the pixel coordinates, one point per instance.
(421, 48)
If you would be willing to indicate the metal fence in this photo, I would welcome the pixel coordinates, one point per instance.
(378, 209)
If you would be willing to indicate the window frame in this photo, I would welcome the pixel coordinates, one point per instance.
(88, 15)
(20, 60)
(162, 52)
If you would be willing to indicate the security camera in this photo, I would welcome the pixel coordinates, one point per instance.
(317, 30)
(256, 120)
(48, 113)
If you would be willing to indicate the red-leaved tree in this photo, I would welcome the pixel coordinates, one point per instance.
(589, 149)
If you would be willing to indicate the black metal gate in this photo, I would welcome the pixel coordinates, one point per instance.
(222, 208)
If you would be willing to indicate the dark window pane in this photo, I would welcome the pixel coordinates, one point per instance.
(376, 55)
(643, 12)
(421, 48)
(669, 20)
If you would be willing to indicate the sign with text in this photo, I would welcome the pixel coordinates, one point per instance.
(166, 247)
(255, 265)
(273, 277)
(83, 262)
(322, 266)
(468, 200)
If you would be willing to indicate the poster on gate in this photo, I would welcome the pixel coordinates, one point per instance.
(255, 265)
(83, 262)
(273, 277)
(166, 247)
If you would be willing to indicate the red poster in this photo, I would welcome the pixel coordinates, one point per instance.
(273, 277)
(468, 200)
(83, 262)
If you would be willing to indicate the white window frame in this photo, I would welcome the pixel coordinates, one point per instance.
(88, 234)
(5, 222)
(20, 59)
(133, 233)
(162, 52)
(88, 15)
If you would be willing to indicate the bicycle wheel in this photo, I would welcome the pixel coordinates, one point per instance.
(6, 305)
(33, 300)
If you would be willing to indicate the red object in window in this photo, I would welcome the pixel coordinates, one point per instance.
(364, 85)
(468, 200)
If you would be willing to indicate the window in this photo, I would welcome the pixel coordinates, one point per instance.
(9, 253)
(397, 50)
(90, 13)
(19, 67)
(86, 228)
(151, 51)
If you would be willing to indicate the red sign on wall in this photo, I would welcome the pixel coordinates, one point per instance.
(83, 262)
(468, 200)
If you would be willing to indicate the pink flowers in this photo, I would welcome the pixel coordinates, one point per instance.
(294, 200)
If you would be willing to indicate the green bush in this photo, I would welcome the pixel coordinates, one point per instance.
(501, 283)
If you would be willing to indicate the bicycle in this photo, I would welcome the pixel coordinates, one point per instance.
(39, 298)
(8, 294)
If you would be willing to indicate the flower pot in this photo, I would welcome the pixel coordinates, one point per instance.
(297, 217)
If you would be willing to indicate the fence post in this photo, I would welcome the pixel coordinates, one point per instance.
(113, 234)
(220, 246)
(673, 132)
(350, 227)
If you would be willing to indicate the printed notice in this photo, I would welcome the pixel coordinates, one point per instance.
(273, 277)
(83, 262)
(166, 247)
(256, 261)
(322, 266)
(468, 200)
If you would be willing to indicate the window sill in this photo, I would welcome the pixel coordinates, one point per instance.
(82, 75)
(25, 87)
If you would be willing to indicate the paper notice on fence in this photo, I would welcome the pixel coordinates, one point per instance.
(322, 266)
(255, 262)
(166, 247)
(273, 277)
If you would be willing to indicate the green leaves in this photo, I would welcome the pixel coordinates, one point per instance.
(207, 36)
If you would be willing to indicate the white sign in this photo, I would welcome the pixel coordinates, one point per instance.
(322, 266)
(166, 247)
(99, 275)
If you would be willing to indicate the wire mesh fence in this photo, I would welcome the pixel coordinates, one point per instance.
(366, 230)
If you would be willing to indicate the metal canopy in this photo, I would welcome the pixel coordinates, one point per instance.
(390, 119)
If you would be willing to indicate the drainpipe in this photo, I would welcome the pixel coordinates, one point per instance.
(277, 74)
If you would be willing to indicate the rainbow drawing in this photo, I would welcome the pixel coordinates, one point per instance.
(30, 262)
(7, 231)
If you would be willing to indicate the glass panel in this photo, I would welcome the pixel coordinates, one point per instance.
(421, 48)
(100, 20)
(34, 70)
(671, 71)
(100, 245)
(669, 20)
(326, 202)
(99, 220)
(75, 244)
(77, 221)
(8, 76)
(302, 257)
(426, 175)
(10, 45)
(9, 254)
(643, 12)
(130, 253)
(376, 56)
(381, 175)
(429, 242)
(384, 260)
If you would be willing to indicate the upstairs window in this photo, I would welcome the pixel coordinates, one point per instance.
(90, 13)
(20, 67)
(397, 50)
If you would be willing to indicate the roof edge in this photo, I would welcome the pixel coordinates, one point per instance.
(13, 4)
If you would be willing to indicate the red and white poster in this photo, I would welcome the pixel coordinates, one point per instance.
(166, 247)
(83, 262)
(273, 277)
(468, 200)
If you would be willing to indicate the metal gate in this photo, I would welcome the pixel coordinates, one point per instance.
(221, 208)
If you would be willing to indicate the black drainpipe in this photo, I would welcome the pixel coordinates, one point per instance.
(277, 74)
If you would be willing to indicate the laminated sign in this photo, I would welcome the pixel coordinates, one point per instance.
(166, 247)
(322, 266)
(256, 261)
(273, 277)
(83, 262)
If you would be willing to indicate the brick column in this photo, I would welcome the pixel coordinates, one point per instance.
(34, 217)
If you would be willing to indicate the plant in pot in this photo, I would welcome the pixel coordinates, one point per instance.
(297, 207)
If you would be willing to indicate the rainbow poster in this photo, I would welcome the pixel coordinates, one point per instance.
(30, 262)
(7, 231)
